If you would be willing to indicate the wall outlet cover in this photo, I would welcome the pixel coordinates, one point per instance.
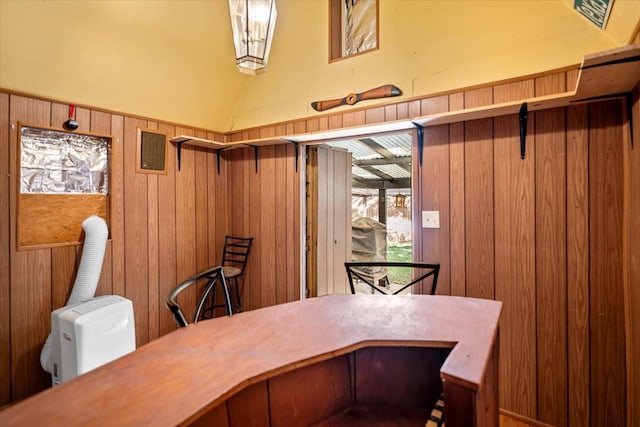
(430, 219)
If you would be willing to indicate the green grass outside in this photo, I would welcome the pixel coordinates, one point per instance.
(399, 254)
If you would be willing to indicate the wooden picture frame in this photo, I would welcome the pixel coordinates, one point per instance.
(337, 11)
(152, 151)
(52, 219)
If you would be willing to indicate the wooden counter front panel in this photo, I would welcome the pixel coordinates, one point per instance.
(376, 383)
(399, 377)
(308, 395)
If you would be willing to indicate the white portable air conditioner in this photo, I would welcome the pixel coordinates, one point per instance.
(91, 334)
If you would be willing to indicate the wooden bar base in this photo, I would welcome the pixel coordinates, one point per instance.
(342, 360)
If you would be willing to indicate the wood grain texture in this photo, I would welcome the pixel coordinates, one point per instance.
(228, 354)
(515, 275)
(410, 377)
(250, 407)
(551, 263)
(30, 288)
(456, 209)
(101, 123)
(605, 259)
(479, 221)
(551, 266)
(56, 219)
(456, 199)
(186, 223)
(167, 256)
(293, 227)
(434, 189)
(117, 204)
(329, 379)
(5, 251)
(633, 255)
(280, 229)
(267, 240)
(64, 266)
(578, 265)
(374, 115)
(136, 279)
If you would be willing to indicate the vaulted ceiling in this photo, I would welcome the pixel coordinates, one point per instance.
(174, 60)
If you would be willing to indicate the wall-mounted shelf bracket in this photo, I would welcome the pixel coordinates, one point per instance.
(522, 115)
(297, 151)
(180, 140)
(179, 148)
(255, 154)
(420, 130)
(218, 153)
(629, 97)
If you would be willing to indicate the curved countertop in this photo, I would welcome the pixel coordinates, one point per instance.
(182, 375)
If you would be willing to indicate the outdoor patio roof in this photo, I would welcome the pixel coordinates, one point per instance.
(379, 161)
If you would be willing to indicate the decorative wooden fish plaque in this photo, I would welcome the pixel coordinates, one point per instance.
(352, 98)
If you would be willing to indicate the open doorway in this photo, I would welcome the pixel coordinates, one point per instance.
(375, 189)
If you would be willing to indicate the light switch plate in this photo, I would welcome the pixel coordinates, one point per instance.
(430, 219)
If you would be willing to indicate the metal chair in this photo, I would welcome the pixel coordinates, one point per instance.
(213, 277)
(234, 260)
(355, 269)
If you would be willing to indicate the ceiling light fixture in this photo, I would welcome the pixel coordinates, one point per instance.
(252, 24)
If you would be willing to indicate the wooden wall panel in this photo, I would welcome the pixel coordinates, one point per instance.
(515, 265)
(30, 289)
(117, 205)
(268, 220)
(477, 197)
(153, 250)
(262, 204)
(478, 175)
(633, 255)
(456, 200)
(578, 265)
(186, 223)
(605, 260)
(633, 259)
(434, 193)
(551, 264)
(135, 229)
(5, 268)
(101, 124)
(252, 227)
(280, 202)
(292, 222)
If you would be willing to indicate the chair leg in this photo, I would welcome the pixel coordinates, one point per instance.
(227, 299)
(237, 286)
(225, 296)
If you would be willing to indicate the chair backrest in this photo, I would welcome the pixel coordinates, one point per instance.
(212, 276)
(236, 251)
(358, 270)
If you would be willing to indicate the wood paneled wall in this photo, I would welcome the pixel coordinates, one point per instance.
(545, 236)
(265, 205)
(633, 263)
(163, 229)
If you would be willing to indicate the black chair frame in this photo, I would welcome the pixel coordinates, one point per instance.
(236, 253)
(352, 270)
(213, 276)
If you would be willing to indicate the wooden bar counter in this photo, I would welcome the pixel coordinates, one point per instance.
(341, 360)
